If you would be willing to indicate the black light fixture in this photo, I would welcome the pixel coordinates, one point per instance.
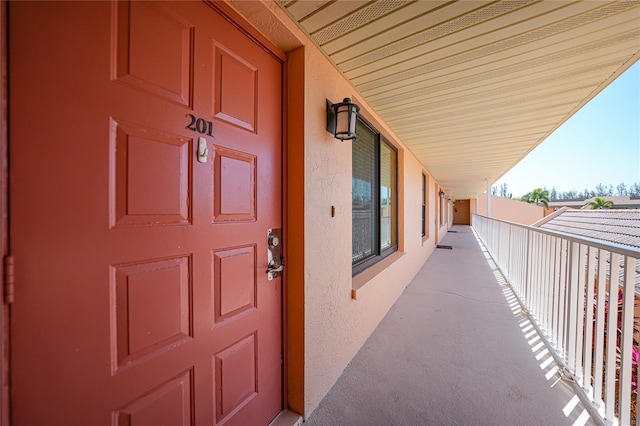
(342, 118)
(441, 193)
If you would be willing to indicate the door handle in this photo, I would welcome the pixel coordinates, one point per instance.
(275, 261)
(273, 267)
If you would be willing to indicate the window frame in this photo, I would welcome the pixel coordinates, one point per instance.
(424, 205)
(441, 216)
(380, 254)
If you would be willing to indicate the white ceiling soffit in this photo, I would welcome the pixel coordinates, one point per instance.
(472, 86)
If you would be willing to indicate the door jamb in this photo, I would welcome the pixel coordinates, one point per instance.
(4, 214)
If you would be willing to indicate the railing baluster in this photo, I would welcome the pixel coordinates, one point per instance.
(527, 256)
(612, 327)
(598, 369)
(541, 256)
(502, 246)
(544, 279)
(548, 287)
(588, 329)
(562, 300)
(509, 270)
(550, 278)
(572, 306)
(522, 235)
(556, 291)
(626, 341)
(533, 267)
(581, 272)
(518, 260)
(540, 277)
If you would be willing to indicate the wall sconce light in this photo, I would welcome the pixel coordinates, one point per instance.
(342, 118)
(441, 194)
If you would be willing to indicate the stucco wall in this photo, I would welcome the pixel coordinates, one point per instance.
(330, 314)
(336, 324)
(511, 210)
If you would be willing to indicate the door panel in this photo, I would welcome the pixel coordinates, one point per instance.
(462, 212)
(143, 297)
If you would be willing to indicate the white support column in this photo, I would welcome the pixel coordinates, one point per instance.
(488, 199)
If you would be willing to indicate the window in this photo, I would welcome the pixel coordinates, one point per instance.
(441, 208)
(374, 198)
(424, 205)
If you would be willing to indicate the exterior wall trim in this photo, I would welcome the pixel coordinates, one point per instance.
(4, 194)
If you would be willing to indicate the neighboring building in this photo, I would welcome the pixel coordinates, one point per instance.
(608, 225)
(613, 226)
(619, 202)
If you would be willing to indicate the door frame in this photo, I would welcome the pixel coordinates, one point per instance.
(4, 194)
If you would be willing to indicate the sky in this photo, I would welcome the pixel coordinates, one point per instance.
(598, 144)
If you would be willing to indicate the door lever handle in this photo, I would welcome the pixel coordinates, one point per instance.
(273, 267)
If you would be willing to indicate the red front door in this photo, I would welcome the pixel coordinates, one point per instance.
(145, 173)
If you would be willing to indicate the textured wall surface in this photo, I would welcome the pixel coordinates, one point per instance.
(511, 210)
(336, 325)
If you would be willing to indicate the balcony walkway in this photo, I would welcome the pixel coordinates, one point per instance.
(455, 349)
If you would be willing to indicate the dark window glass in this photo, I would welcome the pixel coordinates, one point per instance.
(363, 194)
(374, 198)
(424, 205)
(387, 196)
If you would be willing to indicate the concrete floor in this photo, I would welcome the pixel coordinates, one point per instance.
(453, 350)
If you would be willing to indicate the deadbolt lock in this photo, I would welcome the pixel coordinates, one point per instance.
(275, 260)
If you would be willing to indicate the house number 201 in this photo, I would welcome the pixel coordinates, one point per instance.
(199, 125)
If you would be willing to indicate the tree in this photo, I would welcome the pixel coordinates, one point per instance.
(504, 191)
(569, 195)
(588, 194)
(537, 196)
(622, 189)
(603, 190)
(600, 203)
(553, 195)
(494, 190)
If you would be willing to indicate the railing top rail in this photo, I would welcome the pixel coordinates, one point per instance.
(613, 247)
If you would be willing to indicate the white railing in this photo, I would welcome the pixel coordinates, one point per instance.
(565, 288)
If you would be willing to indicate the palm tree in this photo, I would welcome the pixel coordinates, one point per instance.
(537, 196)
(600, 203)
